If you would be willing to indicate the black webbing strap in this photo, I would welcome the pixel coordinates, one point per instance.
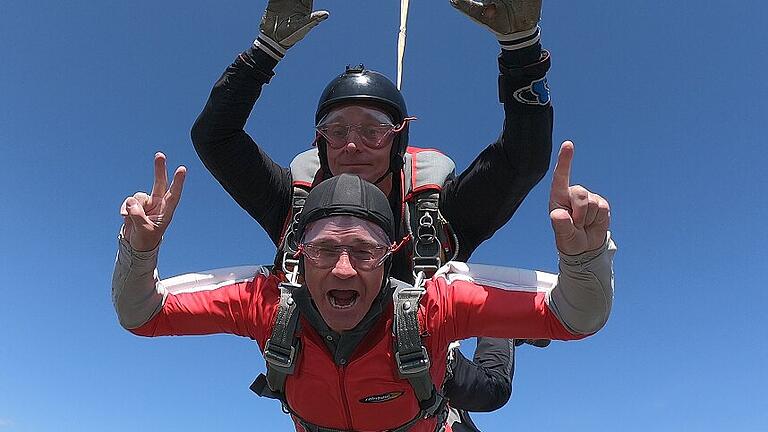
(283, 346)
(285, 260)
(425, 228)
(410, 355)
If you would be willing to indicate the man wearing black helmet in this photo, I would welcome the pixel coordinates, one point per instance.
(349, 332)
(362, 128)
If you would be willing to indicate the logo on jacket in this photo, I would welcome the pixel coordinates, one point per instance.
(536, 93)
(386, 397)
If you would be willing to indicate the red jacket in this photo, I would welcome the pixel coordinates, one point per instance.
(366, 394)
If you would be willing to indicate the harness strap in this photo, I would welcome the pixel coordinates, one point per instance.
(425, 221)
(285, 256)
(282, 347)
(411, 356)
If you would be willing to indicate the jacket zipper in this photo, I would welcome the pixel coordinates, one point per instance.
(342, 376)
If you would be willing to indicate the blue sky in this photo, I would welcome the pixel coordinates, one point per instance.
(666, 105)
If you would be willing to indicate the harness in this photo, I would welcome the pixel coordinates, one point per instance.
(412, 360)
(425, 171)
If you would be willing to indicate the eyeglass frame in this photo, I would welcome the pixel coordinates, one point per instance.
(393, 130)
(339, 250)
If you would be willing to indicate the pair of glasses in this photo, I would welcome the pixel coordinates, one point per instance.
(364, 258)
(372, 135)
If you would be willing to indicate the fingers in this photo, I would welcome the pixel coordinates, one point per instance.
(161, 176)
(173, 195)
(579, 199)
(314, 19)
(603, 216)
(592, 208)
(472, 8)
(561, 178)
(319, 16)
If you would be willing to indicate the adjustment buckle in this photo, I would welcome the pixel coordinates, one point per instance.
(290, 267)
(428, 265)
(278, 357)
(412, 364)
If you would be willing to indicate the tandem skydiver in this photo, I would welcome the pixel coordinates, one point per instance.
(365, 340)
(362, 128)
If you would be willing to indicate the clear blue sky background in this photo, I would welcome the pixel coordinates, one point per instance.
(664, 100)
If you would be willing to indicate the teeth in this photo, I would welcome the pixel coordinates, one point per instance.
(332, 300)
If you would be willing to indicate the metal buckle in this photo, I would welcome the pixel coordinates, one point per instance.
(412, 363)
(428, 265)
(278, 357)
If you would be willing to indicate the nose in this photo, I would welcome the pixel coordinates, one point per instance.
(353, 139)
(343, 268)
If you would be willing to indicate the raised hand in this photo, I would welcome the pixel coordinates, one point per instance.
(148, 216)
(579, 217)
(502, 17)
(286, 22)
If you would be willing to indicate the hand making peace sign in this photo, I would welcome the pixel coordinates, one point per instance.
(579, 217)
(148, 216)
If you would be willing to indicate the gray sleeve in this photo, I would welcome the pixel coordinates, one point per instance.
(137, 294)
(583, 296)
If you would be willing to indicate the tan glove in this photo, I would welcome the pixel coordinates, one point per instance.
(286, 22)
(513, 22)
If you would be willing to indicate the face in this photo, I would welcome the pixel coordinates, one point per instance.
(355, 157)
(343, 293)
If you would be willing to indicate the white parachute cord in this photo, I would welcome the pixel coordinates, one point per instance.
(401, 41)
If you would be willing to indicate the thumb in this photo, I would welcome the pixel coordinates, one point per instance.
(135, 212)
(562, 225)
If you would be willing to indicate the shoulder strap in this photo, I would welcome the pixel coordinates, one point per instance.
(284, 259)
(304, 168)
(434, 242)
(281, 349)
(411, 356)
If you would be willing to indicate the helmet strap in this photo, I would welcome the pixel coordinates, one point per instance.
(383, 176)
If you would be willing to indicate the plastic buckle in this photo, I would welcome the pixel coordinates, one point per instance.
(412, 363)
(292, 273)
(278, 357)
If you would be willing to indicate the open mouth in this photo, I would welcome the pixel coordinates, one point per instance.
(342, 299)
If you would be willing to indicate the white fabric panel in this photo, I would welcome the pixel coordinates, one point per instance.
(210, 279)
(506, 278)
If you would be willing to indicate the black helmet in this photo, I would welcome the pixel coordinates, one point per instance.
(360, 85)
(350, 195)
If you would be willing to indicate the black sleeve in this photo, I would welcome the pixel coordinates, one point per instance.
(486, 384)
(486, 195)
(247, 173)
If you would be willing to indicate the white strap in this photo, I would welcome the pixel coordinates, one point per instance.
(401, 41)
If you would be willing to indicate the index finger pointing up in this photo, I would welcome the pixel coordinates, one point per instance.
(561, 178)
(161, 176)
